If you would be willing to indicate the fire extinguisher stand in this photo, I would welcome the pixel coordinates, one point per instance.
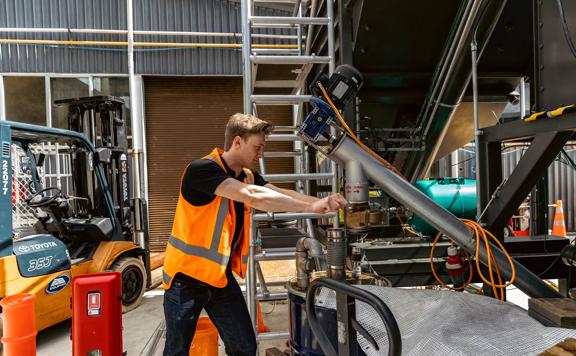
(97, 314)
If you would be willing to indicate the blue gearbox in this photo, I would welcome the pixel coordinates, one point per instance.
(318, 121)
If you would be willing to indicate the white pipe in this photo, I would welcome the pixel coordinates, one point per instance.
(522, 97)
(134, 118)
(48, 101)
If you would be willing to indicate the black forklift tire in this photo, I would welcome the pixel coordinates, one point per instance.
(133, 281)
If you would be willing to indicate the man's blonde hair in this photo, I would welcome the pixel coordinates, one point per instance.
(244, 125)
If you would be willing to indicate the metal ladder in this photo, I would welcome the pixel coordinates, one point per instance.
(298, 61)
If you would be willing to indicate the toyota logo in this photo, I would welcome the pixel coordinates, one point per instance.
(23, 248)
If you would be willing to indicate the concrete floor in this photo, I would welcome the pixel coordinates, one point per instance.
(141, 324)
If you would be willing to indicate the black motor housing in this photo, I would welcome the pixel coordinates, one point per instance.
(342, 86)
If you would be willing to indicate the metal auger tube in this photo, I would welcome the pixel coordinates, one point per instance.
(347, 150)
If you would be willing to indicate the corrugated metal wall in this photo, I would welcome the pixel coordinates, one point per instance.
(166, 15)
(561, 176)
(561, 180)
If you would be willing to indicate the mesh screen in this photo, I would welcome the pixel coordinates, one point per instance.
(55, 171)
(449, 323)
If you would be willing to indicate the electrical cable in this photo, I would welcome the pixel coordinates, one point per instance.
(484, 235)
(353, 136)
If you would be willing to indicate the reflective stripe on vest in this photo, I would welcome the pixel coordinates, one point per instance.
(165, 277)
(211, 253)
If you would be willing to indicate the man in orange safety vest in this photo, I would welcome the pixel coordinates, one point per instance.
(210, 237)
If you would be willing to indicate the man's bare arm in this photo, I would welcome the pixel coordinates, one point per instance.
(266, 199)
(292, 193)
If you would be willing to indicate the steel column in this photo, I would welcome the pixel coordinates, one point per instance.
(533, 164)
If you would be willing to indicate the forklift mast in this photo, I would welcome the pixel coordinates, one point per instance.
(102, 120)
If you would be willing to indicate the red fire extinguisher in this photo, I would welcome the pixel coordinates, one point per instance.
(97, 314)
(456, 265)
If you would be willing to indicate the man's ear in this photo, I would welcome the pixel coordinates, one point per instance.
(236, 141)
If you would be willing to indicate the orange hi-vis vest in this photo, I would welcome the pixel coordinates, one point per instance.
(200, 244)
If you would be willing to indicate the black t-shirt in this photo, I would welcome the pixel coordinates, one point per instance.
(201, 179)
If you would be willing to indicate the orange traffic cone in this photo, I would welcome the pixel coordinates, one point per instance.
(559, 226)
(262, 328)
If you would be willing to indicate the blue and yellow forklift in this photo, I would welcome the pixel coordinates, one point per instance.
(66, 208)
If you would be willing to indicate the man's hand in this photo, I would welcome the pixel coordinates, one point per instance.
(331, 203)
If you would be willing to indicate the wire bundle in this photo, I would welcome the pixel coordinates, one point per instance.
(353, 136)
(498, 288)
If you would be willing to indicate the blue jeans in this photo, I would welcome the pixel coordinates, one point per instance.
(183, 303)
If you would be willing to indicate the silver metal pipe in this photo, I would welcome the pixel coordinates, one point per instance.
(356, 187)
(477, 132)
(289, 59)
(405, 193)
(246, 9)
(310, 33)
(272, 296)
(331, 68)
(297, 8)
(136, 122)
(290, 177)
(330, 34)
(251, 276)
(262, 165)
(275, 50)
(261, 280)
(275, 154)
(289, 20)
(285, 128)
(275, 256)
(291, 216)
(522, 97)
(298, 12)
(283, 137)
(246, 63)
(280, 99)
(272, 336)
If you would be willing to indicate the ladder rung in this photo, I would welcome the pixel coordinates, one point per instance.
(272, 296)
(275, 256)
(280, 99)
(272, 335)
(291, 216)
(285, 128)
(283, 137)
(277, 1)
(289, 59)
(275, 84)
(276, 50)
(291, 177)
(282, 154)
(288, 20)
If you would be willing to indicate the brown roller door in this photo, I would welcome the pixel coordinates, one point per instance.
(185, 119)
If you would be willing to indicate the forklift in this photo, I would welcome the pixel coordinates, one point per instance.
(66, 208)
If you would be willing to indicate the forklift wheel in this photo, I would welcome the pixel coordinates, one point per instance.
(133, 281)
